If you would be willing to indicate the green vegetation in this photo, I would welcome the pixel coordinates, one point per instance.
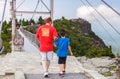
(6, 36)
(82, 45)
(106, 74)
(83, 42)
(112, 68)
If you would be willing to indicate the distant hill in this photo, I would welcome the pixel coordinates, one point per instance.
(84, 42)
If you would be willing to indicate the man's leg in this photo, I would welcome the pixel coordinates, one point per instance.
(46, 64)
(49, 57)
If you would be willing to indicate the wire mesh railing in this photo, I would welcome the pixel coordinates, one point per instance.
(30, 36)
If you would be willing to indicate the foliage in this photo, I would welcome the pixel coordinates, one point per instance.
(40, 21)
(82, 45)
(106, 74)
(89, 45)
(6, 37)
(112, 68)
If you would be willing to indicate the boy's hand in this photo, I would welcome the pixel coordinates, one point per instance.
(71, 54)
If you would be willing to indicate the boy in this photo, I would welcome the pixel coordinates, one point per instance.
(63, 45)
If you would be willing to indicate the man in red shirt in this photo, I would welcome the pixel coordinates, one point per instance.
(46, 34)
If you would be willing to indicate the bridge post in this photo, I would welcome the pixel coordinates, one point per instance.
(13, 18)
(52, 8)
(14, 12)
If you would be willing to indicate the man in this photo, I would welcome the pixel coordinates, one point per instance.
(46, 34)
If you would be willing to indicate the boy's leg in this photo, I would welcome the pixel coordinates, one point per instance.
(61, 68)
(61, 74)
(64, 65)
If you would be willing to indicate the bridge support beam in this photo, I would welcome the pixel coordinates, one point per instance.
(14, 12)
(13, 18)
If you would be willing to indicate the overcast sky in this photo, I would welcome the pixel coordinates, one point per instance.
(76, 9)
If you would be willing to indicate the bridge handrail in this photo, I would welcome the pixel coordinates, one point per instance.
(30, 36)
(18, 40)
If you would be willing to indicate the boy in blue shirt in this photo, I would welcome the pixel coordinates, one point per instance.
(63, 45)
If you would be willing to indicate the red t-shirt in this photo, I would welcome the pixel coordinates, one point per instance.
(45, 34)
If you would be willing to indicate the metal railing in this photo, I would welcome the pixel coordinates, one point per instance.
(18, 42)
(30, 36)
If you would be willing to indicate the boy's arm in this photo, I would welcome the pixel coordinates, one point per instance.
(55, 42)
(69, 48)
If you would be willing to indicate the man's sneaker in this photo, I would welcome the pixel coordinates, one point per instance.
(46, 75)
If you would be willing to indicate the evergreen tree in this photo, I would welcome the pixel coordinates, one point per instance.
(40, 21)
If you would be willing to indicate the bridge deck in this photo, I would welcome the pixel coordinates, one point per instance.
(56, 76)
(29, 63)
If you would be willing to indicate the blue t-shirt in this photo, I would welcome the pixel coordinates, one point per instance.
(62, 44)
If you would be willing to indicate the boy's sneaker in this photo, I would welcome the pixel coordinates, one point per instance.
(46, 75)
(61, 74)
(64, 72)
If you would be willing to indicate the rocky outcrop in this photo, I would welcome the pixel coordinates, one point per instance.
(104, 65)
(85, 26)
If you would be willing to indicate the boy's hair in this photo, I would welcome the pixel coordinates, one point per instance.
(62, 32)
(47, 20)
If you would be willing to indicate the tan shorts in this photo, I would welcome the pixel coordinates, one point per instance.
(47, 55)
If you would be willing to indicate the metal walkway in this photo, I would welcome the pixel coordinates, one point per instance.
(71, 73)
(56, 76)
(27, 65)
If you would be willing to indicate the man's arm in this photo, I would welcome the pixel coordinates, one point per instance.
(55, 38)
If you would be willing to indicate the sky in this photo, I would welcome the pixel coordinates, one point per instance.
(72, 9)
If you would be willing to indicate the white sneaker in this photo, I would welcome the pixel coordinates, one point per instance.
(46, 75)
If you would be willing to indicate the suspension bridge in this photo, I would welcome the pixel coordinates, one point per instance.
(24, 62)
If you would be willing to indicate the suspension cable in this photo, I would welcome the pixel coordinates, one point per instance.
(3, 17)
(110, 7)
(99, 22)
(103, 17)
(35, 9)
(45, 5)
(20, 4)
